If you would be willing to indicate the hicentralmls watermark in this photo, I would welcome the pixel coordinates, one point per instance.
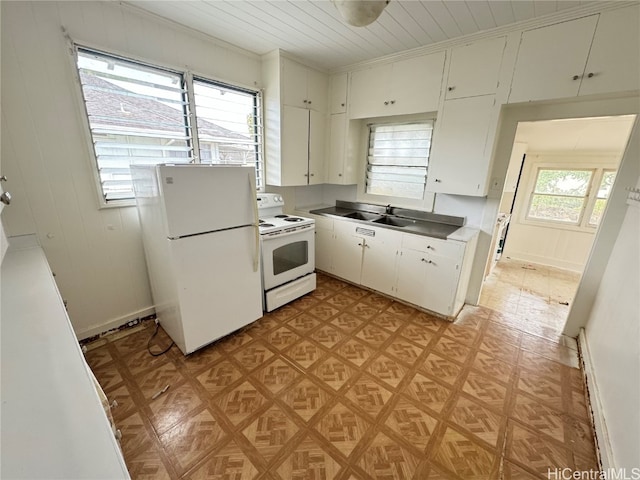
(608, 474)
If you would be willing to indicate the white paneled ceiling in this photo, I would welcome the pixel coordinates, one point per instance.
(313, 30)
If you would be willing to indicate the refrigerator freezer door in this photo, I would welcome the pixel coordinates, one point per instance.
(218, 289)
(206, 198)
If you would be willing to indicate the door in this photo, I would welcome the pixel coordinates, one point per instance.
(442, 275)
(295, 146)
(324, 249)
(551, 60)
(347, 251)
(288, 256)
(206, 198)
(218, 289)
(379, 261)
(411, 277)
(614, 59)
(415, 84)
(317, 166)
(475, 68)
(459, 161)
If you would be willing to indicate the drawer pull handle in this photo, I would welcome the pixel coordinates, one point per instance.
(427, 261)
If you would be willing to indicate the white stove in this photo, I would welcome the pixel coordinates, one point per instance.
(288, 252)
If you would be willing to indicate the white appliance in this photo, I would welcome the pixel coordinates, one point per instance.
(201, 241)
(288, 253)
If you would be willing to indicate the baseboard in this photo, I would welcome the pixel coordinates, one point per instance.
(116, 323)
(603, 442)
(547, 262)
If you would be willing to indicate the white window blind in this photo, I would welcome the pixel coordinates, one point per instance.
(137, 115)
(398, 159)
(228, 125)
(140, 114)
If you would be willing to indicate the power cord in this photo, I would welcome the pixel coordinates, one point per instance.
(157, 354)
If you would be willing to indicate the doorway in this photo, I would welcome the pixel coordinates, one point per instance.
(558, 180)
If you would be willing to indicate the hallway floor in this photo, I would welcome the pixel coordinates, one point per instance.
(534, 298)
(346, 384)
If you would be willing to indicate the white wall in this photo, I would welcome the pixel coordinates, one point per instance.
(558, 246)
(96, 254)
(613, 338)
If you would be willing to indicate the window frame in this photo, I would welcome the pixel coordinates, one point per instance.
(187, 77)
(427, 201)
(597, 169)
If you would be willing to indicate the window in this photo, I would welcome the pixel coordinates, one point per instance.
(398, 159)
(140, 114)
(604, 190)
(563, 196)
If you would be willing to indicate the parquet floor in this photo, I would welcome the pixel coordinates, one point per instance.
(346, 384)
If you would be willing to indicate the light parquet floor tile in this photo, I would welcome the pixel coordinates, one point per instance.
(347, 384)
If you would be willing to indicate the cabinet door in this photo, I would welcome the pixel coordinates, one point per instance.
(317, 90)
(337, 148)
(324, 249)
(411, 277)
(442, 275)
(347, 252)
(379, 261)
(415, 85)
(368, 92)
(338, 96)
(474, 69)
(551, 60)
(295, 146)
(317, 126)
(459, 161)
(294, 83)
(614, 60)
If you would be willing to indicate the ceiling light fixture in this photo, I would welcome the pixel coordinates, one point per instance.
(360, 13)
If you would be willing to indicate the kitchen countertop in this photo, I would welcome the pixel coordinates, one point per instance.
(53, 421)
(421, 227)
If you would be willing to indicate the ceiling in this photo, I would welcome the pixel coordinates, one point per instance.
(313, 30)
(598, 134)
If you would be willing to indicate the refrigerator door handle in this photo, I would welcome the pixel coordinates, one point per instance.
(256, 221)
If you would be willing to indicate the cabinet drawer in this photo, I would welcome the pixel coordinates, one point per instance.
(435, 246)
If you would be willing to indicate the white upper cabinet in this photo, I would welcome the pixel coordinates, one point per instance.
(295, 99)
(338, 93)
(461, 152)
(614, 60)
(403, 87)
(551, 60)
(303, 86)
(474, 69)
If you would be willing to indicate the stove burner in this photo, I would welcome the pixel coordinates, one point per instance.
(282, 216)
(265, 225)
(293, 219)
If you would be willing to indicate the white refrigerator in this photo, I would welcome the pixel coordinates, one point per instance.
(202, 246)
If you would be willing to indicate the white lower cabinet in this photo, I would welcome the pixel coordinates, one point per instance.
(379, 260)
(427, 272)
(428, 281)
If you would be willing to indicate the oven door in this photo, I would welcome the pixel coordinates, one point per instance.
(287, 256)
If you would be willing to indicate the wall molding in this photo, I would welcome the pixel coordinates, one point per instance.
(604, 449)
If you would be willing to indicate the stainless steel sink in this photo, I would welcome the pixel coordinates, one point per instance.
(370, 217)
(394, 221)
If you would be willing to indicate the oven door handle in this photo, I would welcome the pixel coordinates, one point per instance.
(256, 221)
(266, 237)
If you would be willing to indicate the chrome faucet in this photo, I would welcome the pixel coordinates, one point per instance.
(388, 209)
